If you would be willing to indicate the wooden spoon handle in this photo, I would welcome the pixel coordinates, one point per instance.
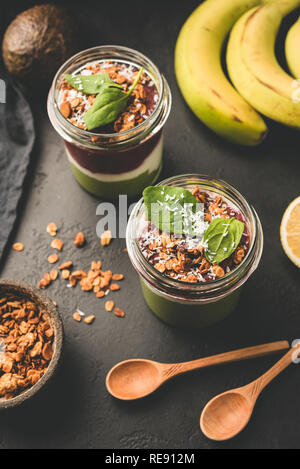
(260, 384)
(229, 357)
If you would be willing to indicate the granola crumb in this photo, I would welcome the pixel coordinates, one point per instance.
(52, 229)
(160, 267)
(79, 239)
(90, 319)
(42, 284)
(57, 244)
(109, 306)
(53, 259)
(119, 313)
(72, 281)
(239, 255)
(47, 278)
(65, 109)
(65, 274)
(18, 247)
(96, 265)
(106, 238)
(77, 317)
(47, 351)
(117, 277)
(65, 265)
(53, 275)
(218, 271)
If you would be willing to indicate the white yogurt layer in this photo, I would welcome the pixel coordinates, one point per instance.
(150, 164)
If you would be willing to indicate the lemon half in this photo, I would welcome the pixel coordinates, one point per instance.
(290, 232)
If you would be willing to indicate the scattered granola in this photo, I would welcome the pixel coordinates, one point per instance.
(95, 279)
(117, 277)
(53, 275)
(18, 247)
(65, 274)
(77, 317)
(119, 313)
(53, 258)
(109, 306)
(65, 265)
(57, 244)
(79, 239)
(89, 319)
(52, 229)
(106, 238)
(26, 340)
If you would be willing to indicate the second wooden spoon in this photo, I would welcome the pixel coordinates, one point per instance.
(227, 415)
(134, 379)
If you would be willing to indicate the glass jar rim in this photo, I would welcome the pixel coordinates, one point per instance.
(150, 121)
(235, 278)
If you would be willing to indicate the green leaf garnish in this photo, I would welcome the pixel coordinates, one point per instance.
(108, 105)
(170, 208)
(91, 84)
(222, 237)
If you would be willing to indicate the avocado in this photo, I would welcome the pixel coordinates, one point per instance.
(37, 42)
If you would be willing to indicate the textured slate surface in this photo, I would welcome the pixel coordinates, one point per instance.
(76, 411)
(16, 141)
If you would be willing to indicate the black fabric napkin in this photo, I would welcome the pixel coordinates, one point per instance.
(16, 141)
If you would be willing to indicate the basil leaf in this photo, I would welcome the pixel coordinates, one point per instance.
(222, 237)
(108, 105)
(170, 208)
(106, 108)
(90, 84)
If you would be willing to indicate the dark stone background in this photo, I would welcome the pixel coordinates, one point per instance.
(75, 410)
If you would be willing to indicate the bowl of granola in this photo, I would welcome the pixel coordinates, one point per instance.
(110, 104)
(31, 339)
(194, 242)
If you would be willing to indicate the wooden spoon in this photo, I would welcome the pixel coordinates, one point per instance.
(134, 379)
(227, 415)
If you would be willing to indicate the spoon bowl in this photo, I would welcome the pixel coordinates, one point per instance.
(133, 379)
(225, 416)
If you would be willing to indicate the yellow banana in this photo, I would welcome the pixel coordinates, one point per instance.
(200, 76)
(253, 67)
(292, 49)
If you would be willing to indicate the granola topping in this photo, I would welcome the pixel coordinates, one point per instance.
(182, 257)
(73, 103)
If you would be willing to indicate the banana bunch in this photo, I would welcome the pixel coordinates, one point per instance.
(261, 86)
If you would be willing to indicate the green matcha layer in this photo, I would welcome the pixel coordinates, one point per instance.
(111, 190)
(186, 315)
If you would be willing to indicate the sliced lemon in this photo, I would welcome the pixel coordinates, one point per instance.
(290, 232)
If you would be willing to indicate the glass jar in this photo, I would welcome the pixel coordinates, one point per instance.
(195, 304)
(117, 163)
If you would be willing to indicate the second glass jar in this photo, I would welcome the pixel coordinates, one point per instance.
(195, 304)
